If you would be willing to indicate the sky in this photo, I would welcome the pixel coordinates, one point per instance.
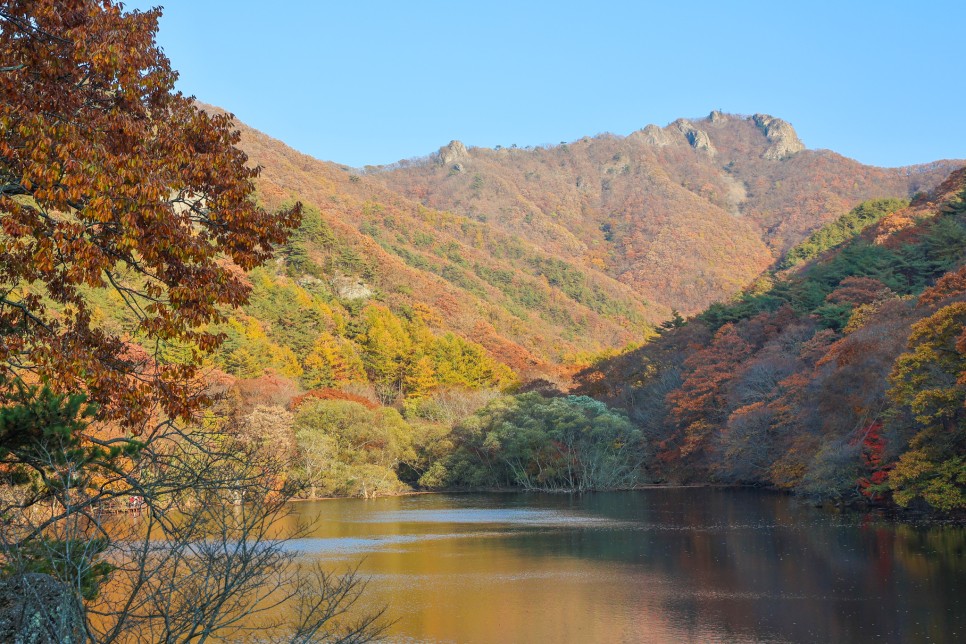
(370, 82)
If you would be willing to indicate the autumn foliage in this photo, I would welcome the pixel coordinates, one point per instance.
(683, 226)
(330, 394)
(843, 378)
(137, 260)
(111, 180)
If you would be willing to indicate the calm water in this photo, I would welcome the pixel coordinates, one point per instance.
(671, 565)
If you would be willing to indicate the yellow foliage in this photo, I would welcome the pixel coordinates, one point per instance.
(333, 360)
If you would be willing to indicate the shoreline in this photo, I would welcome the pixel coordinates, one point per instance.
(502, 490)
(889, 513)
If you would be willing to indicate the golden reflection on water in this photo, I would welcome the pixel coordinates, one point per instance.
(654, 566)
(460, 582)
(684, 565)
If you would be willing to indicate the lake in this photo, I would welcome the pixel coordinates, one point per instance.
(657, 565)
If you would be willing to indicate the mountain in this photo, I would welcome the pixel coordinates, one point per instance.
(685, 215)
(823, 355)
(478, 268)
(530, 309)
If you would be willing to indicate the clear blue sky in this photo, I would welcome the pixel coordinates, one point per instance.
(370, 82)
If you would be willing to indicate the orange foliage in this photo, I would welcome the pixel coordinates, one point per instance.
(859, 290)
(948, 286)
(270, 389)
(700, 400)
(681, 226)
(326, 393)
(112, 180)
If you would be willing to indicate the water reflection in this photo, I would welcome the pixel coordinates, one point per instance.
(651, 566)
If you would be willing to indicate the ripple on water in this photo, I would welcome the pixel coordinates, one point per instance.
(382, 543)
(510, 516)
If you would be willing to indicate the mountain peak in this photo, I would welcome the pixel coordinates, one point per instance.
(452, 154)
(782, 136)
(698, 139)
(653, 135)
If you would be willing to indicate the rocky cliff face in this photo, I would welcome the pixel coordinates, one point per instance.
(697, 139)
(783, 141)
(780, 134)
(453, 154)
(653, 135)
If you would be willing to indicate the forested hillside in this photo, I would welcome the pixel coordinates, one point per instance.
(538, 259)
(386, 338)
(687, 214)
(200, 326)
(365, 244)
(843, 376)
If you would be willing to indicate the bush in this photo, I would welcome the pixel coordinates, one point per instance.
(347, 449)
(536, 443)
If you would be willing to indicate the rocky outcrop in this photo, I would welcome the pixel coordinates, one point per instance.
(653, 135)
(782, 136)
(452, 155)
(717, 116)
(698, 139)
(37, 609)
(351, 288)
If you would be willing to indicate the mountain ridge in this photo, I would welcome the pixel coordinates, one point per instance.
(746, 180)
(775, 129)
(548, 257)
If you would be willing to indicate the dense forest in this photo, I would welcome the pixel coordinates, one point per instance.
(839, 376)
(389, 344)
(793, 383)
(807, 380)
(535, 311)
(836, 375)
